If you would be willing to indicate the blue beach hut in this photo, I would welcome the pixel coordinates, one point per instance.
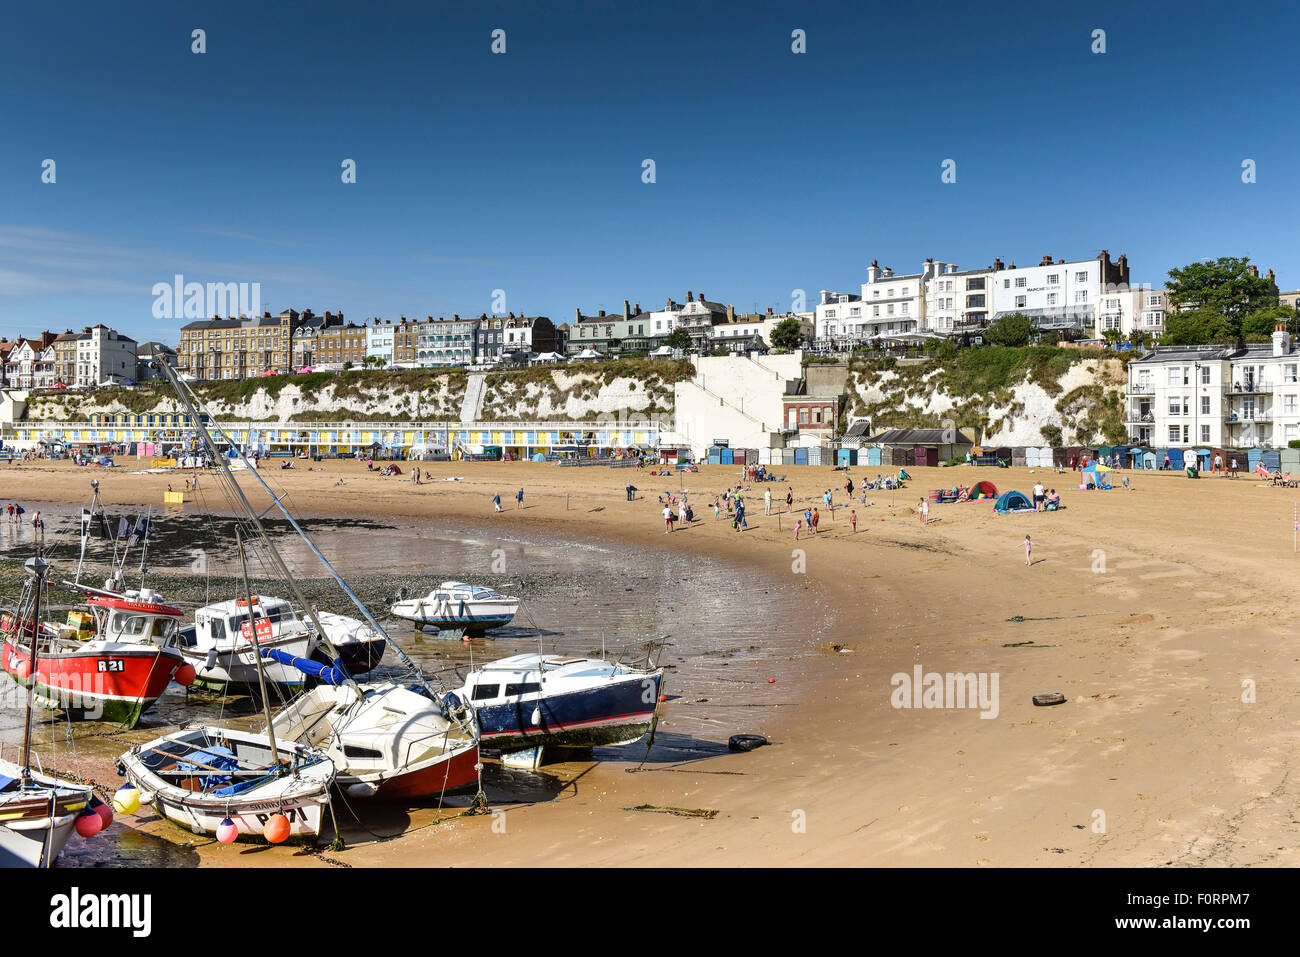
(1272, 460)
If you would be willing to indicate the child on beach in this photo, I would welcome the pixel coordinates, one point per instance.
(798, 527)
(853, 521)
(815, 519)
(1028, 549)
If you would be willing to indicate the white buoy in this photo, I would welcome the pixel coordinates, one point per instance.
(537, 717)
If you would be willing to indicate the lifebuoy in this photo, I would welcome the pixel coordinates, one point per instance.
(243, 602)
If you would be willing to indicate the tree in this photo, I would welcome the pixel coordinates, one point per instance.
(788, 334)
(1198, 327)
(1012, 330)
(1259, 325)
(679, 338)
(1112, 335)
(1225, 285)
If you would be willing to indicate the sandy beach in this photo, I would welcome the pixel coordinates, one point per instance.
(1160, 612)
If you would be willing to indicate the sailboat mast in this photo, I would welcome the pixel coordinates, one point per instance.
(211, 448)
(257, 648)
(36, 568)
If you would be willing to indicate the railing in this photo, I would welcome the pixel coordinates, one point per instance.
(1234, 418)
(1141, 388)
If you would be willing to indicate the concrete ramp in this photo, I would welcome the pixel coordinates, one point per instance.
(472, 404)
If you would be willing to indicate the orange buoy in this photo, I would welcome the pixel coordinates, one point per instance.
(277, 829)
(771, 681)
(243, 602)
(663, 697)
(185, 675)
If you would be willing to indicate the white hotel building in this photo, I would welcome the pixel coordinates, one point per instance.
(1216, 396)
(942, 300)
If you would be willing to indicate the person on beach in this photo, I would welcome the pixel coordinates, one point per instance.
(798, 527)
(848, 490)
(1124, 480)
(11, 513)
(631, 492)
(1029, 548)
(789, 498)
(815, 520)
(853, 521)
(668, 519)
(496, 501)
(519, 497)
(767, 501)
(740, 522)
(1218, 463)
(807, 519)
(717, 509)
(923, 510)
(681, 510)
(1040, 500)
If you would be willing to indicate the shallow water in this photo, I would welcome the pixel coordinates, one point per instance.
(725, 628)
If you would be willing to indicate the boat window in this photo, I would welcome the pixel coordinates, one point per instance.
(482, 593)
(482, 692)
(128, 625)
(527, 687)
(441, 596)
(164, 627)
(217, 628)
(354, 751)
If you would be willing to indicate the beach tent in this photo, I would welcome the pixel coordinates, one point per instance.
(1272, 460)
(539, 457)
(1019, 456)
(1013, 502)
(1096, 475)
(873, 456)
(983, 490)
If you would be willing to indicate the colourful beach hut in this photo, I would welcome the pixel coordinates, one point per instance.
(1253, 458)
(1121, 456)
(1175, 459)
(1149, 460)
(1013, 501)
(921, 455)
(873, 456)
(1272, 460)
(846, 457)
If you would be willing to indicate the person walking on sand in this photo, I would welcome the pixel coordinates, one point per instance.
(10, 509)
(767, 501)
(807, 519)
(798, 527)
(668, 519)
(681, 510)
(519, 497)
(853, 521)
(496, 501)
(789, 498)
(815, 519)
(1029, 548)
(923, 510)
(1218, 463)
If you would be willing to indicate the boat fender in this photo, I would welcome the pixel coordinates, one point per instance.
(211, 661)
(361, 789)
(537, 716)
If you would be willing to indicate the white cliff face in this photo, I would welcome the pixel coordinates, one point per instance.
(1015, 417)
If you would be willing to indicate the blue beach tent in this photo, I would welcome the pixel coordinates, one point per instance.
(1013, 502)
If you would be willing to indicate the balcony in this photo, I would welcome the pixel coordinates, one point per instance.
(1248, 388)
(1237, 418)
(1147, 418)
(1141, 388)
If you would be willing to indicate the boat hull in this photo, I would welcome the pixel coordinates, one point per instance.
(455, 772)
(470, 617)
(33, 845)
(612, 714)
(112, 684)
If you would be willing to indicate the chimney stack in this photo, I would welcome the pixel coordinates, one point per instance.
(690, 297)
(1047, 261)
(997, 265)
(731, 313)
(627, 309)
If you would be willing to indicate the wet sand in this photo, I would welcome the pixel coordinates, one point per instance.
(1155, 611)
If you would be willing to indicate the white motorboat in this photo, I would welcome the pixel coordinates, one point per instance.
(458, 606)
(533, 700)
(219, 646)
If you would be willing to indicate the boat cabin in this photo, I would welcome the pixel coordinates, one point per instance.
(219, 624)
(459, 591)
(132, 618)
(522, 675)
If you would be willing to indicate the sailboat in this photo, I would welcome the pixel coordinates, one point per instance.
(232, 783)
(386, 739)
(112, 662)
(38, 812)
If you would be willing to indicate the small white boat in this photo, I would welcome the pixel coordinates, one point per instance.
(199, 777)
(219, 645)
(37, 816)
(456, 605)
(386, 741)
(533, 700)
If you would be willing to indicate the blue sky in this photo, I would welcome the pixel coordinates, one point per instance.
(522, 171)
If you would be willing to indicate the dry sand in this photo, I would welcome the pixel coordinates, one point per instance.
(1149, 609)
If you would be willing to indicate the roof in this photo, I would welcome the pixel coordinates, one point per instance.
(857, 429)
(920, 437)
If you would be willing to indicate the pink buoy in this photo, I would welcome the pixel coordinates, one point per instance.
(227, 832)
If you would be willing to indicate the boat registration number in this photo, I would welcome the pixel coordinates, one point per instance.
(111, 664)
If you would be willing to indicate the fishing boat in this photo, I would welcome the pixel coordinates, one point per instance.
(111, 663)
(472, 609)
(218, 644)
(38, 812)
(205, 777)
(536, 700)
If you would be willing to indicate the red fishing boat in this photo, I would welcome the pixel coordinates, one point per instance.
(111, 664)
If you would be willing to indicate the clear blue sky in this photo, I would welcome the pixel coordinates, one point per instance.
(522, 172)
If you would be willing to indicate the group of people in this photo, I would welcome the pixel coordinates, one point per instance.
(683, 514)
(759, 473)
(519, 499)
(1044, 500)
